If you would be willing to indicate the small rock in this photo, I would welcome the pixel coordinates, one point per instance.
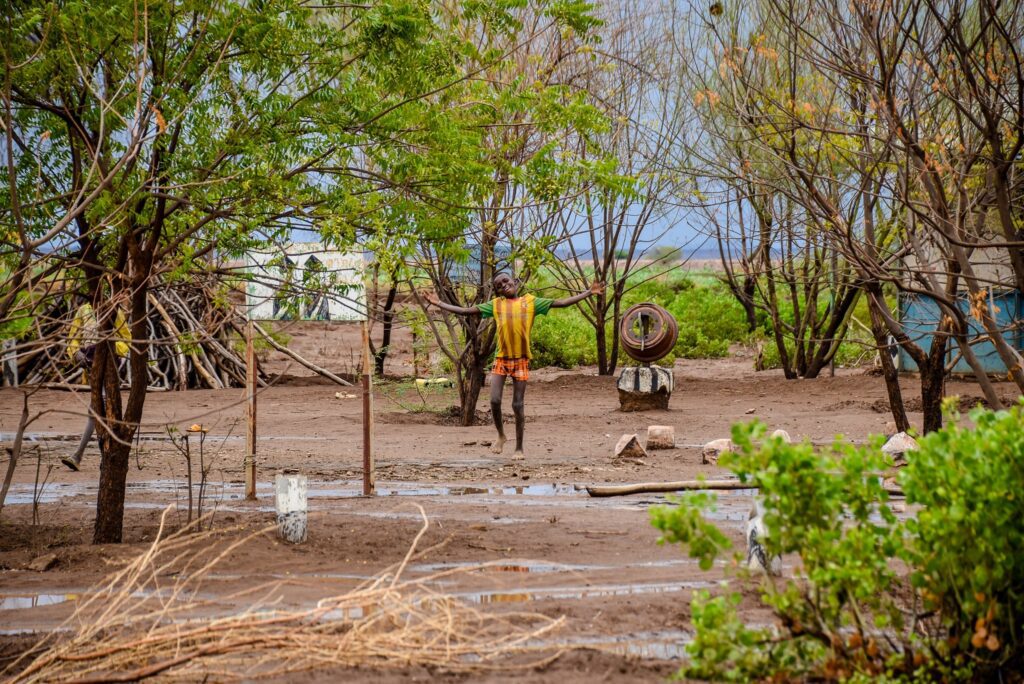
(661, 437)
(783, 435)
(629, 447)
(749, 411)
(43, 563)
(898, 446)
(469, 443)
(713, 449)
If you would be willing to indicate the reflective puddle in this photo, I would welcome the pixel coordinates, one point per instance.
(23, 601)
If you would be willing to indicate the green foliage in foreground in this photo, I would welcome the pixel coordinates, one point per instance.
(938, 596)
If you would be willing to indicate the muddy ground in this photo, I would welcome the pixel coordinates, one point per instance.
(559, 552)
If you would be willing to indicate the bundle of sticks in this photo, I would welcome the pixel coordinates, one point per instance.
(196, 340)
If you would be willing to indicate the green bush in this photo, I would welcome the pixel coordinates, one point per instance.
(939, 596)
(563, 338)
(709, 318)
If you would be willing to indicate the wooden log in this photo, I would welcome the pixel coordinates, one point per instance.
(223, 353)
(288, 352)
(688, 485)
(681, 485)
(211, 381)
(181, 370)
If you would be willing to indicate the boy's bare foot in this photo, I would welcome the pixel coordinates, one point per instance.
(518, 455)
(498, 446)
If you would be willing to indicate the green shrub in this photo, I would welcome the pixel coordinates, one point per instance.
(563, 338)
(709, 318)
(939, 596)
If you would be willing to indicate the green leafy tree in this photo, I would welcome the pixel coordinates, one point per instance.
(148, 141)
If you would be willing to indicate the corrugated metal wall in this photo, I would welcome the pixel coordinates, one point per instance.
(920, 315)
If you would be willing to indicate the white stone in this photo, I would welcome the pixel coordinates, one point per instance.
(629, 447)
(43, 563)
(783, 435)
(715, 448)
(898, 446)
(661, 437)
(291, 507)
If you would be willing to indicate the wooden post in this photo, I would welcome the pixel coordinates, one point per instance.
(368, 484)
(250, 413)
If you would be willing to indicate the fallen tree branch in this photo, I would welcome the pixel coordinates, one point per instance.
(686, 485)
(681, 485)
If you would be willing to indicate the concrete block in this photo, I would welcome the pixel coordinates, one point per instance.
(661, 437)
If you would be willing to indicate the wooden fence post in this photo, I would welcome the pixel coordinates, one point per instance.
(250, 413)
(368, 478)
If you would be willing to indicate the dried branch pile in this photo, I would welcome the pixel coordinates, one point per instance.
(134, 627)
(192, 331)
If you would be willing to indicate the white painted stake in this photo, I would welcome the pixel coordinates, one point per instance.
(291, 507)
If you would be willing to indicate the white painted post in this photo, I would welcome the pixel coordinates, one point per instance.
(291, 507)
(10, 363)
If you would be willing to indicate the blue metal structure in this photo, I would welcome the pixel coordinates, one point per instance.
(920, 316)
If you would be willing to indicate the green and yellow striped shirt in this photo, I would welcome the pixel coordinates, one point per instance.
(514, 320)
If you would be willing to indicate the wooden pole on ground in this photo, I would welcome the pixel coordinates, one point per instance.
(689, 485)
(250, 413)
(649, 487)
(368, 479)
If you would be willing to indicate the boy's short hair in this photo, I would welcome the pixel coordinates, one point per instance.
(499, 274)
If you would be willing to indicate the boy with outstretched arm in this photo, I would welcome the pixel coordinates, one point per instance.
(513, 318)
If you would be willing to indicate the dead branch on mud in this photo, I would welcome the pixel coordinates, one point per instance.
(686, 485)
(150, 619)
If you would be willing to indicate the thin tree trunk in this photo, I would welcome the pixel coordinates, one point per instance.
(889, 371)
(113, 453)
(601, 339)
(380, 354)
(469, 389)
(747, 301)
(932, 392)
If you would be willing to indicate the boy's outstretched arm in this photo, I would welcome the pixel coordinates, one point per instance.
(595, 288)
(432, 298)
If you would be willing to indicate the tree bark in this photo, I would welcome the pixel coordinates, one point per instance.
(469, 389)
(380, 354)
(932, 391)
(106, 395)
(889, 370)
(601, 339)
(746, 298)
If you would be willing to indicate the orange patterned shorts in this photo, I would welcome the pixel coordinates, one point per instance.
(517, 369)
